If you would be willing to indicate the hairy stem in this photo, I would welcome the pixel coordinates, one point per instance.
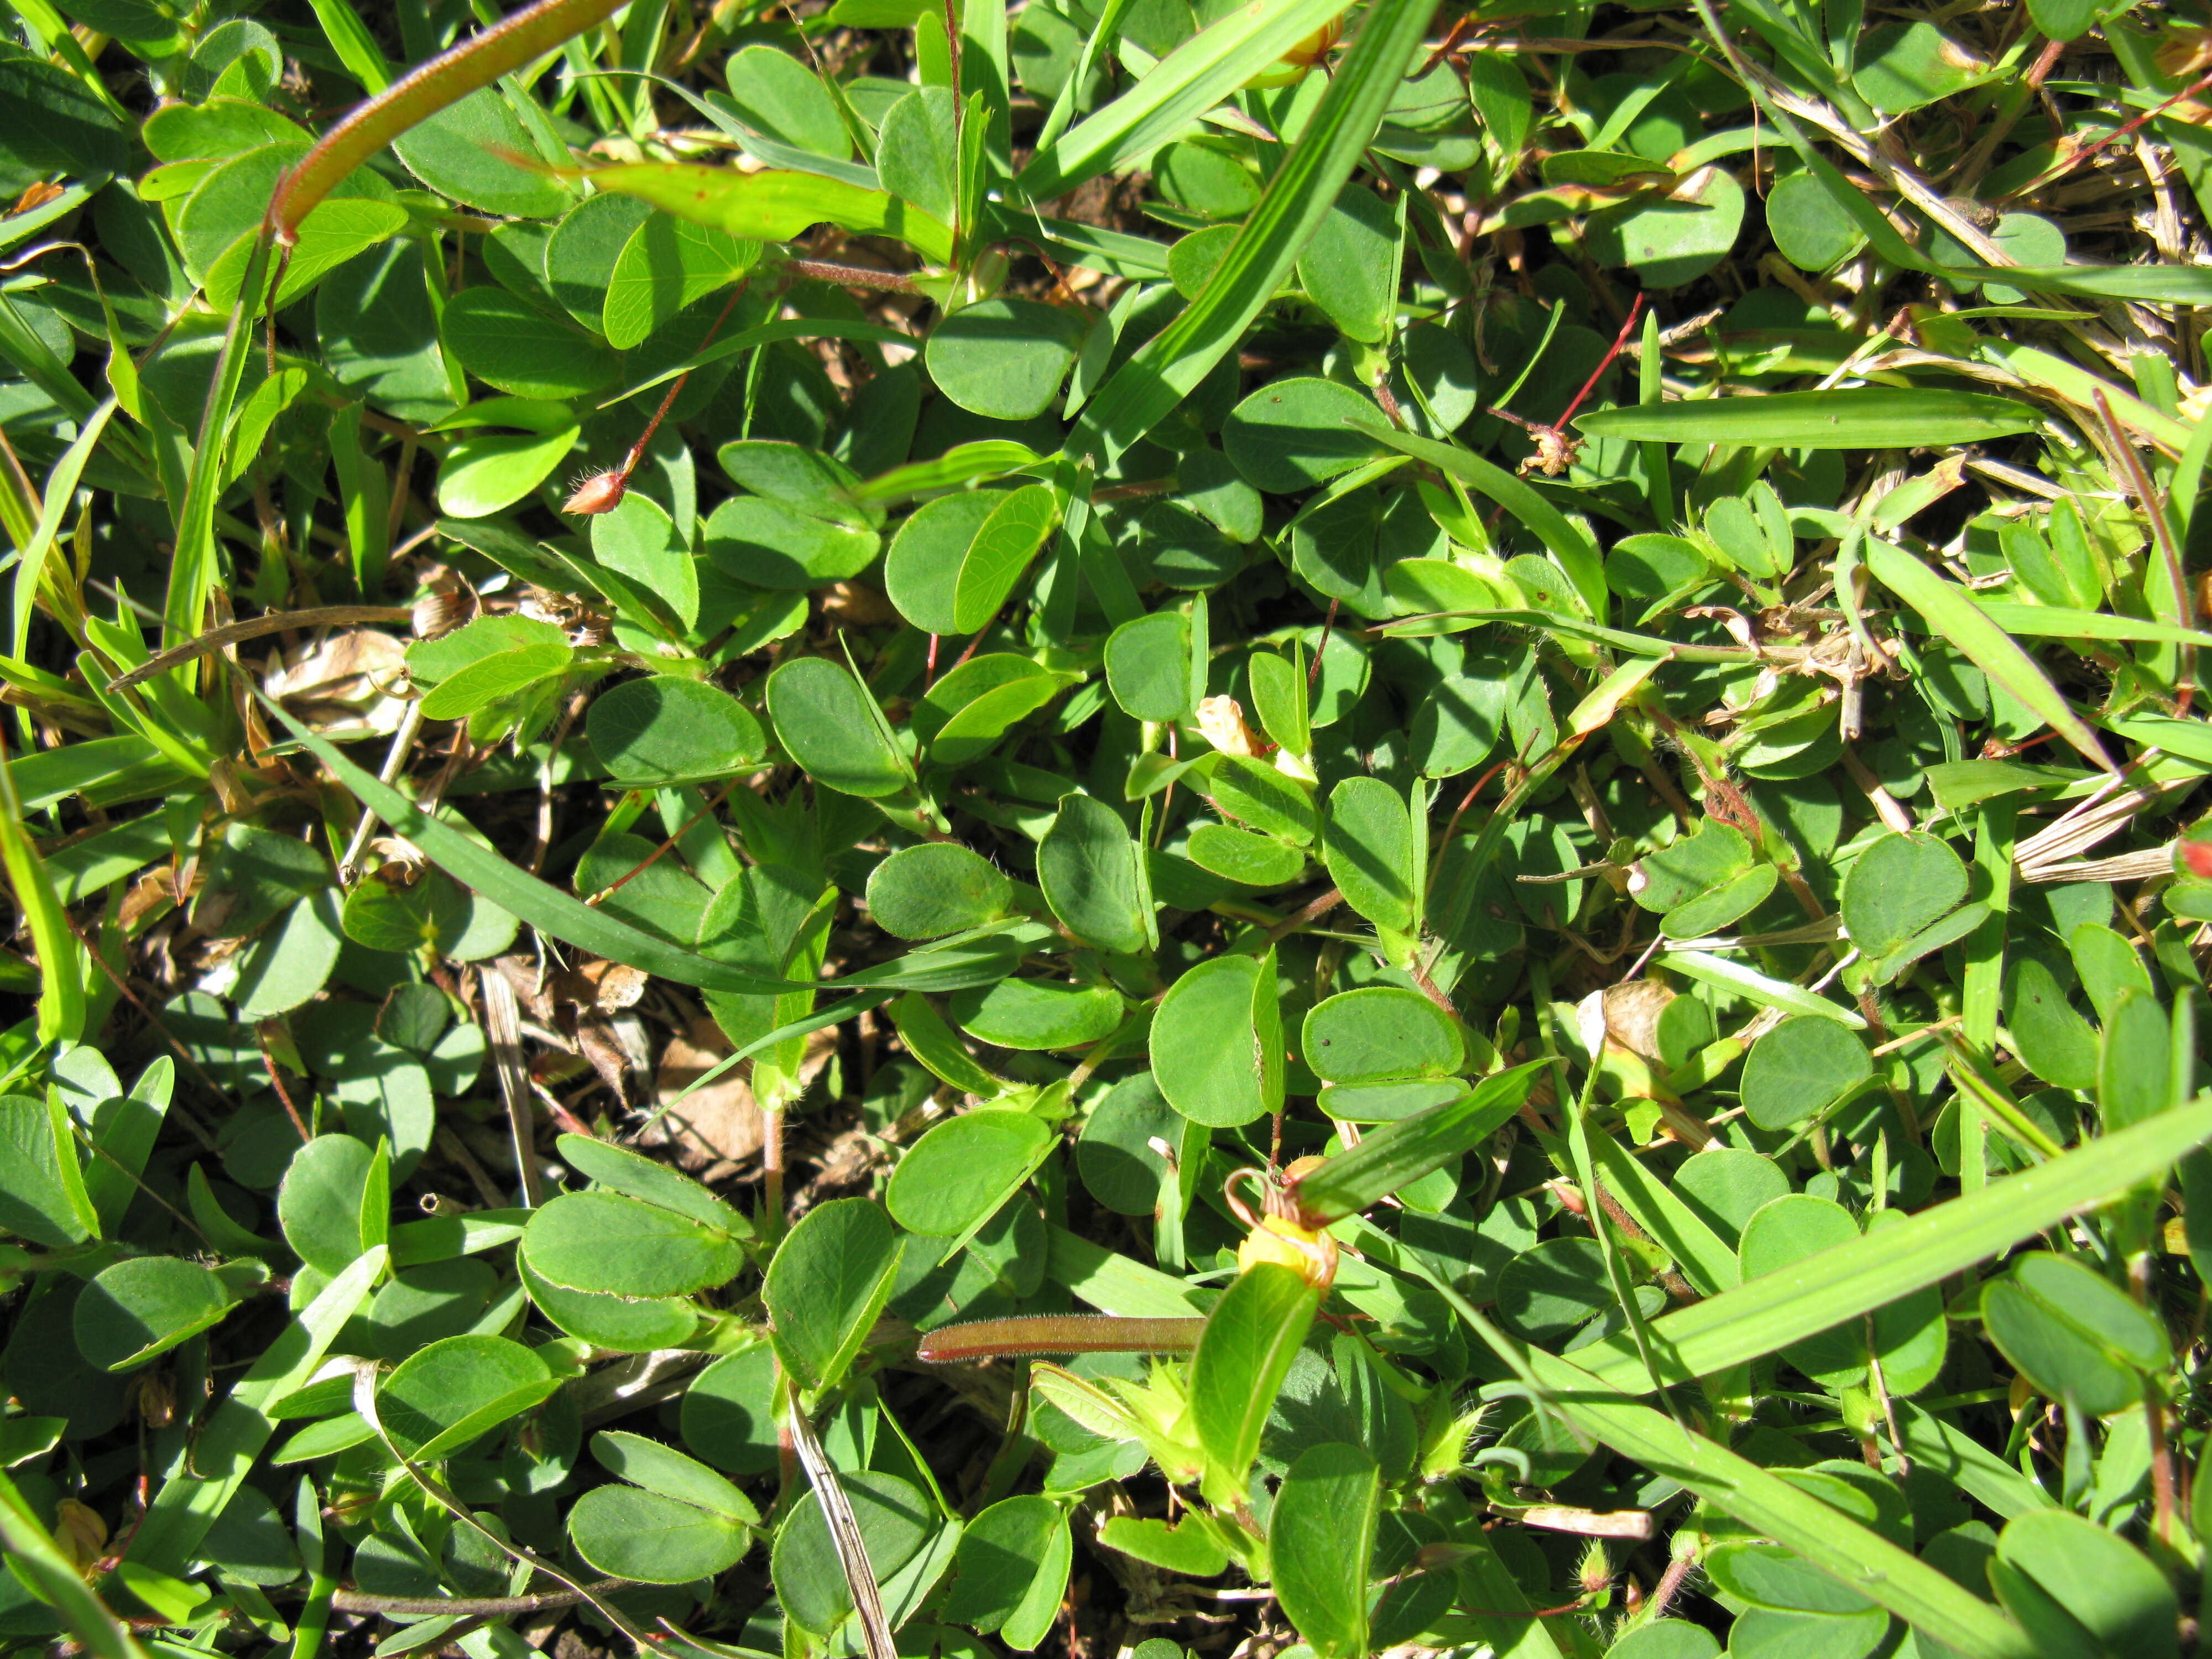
(988, 1339)
(422, 93)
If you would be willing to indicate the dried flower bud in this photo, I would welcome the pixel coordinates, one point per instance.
(600, 493)
(1221, 722)
(442, 610)
(80, 1532)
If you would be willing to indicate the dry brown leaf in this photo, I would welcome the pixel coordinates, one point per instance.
(341, 685)
(720, 1123)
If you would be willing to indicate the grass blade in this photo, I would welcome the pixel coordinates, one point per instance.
(1185, 84)
(1874, 417)
(1168, 369)
(1775, 1309)
(1951, 613)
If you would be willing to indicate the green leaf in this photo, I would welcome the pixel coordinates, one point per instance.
(666, 264)
(1004, 545)
(1011, 1572)
(935, 888)
(42, 1192)
(669, 730)
(1217, 1044)
(1870, 1272)
(1238, 855)
(1320, 1540)
(1379, 1031)
(1004, 359)
(915, 154)
(827, 722)
(769, 544)
(1874, 417)
(728, 1413)
(614, 1245)
(957, 1175)
(464, 151)
(662, 1470)
(922, 569)
(1087, 866)
(1298, 434)
(1243, 1354)
(491, 679)
(1036, 1013)
(894, 1518)
(626, 1532)
(1402, 1152)
(1367, 843)
(2072, 1334)
(619, 1170)
(1898, 886)
(773, 207)
(1148, 666)
(443, 1396)
(828, 1280)
(143, 1307)
(1168, 367)
(319, 1206)
(1800, 1069)
(2105, 1584)
(508, 343)
(618, 1324)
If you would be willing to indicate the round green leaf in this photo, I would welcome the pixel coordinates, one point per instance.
(2103, 1582)
(1004, 545)
(426, 914)
(1240, 856)
(1011, 1571)
(935, 888)
(319, 1205)
(1674, 239)
(2069, 1331)
(1004, 359)
(1087, 866)
(143, 1307)
(1217, 1043)
(620, 1324)
(921, 572)
(506, 342)
(767, 544)
(619, 1246)
(482, 473)
(728, 1414)
(627, 1532)
(830, 1280)
(1351, 267)
(1783, 1233)
(1367, 843)
(1272, 802)
(1809, 226)
(964, 1169)
(1184, 550)
(442, 1397)
(1800, 1068)
(827, 722)
(893, 1518)
(1379, 1031)
(1148, 666)
(1036, 1013)
(1115, 1156)
(463, 152)
(285, 966)
(1294, 435)
(670, 730)
(1898, 886)
(1548, 1292)
(916, 151)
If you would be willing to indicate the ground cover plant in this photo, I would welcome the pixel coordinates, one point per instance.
(1308, 828)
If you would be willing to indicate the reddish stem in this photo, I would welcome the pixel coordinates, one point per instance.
(989, 1339)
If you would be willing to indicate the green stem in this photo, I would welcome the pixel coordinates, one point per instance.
(420, 94)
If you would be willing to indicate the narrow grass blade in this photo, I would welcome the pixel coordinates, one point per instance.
(61, 958)
(1951, 614)
(1874, 418)
(1775, 1309)
(1185, 84)
(2051, 621)
(1724, 974)
(1168, 369)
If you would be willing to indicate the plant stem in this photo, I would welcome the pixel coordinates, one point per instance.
(991, 1339)
(475, 63)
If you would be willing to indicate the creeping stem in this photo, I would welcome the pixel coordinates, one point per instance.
(420, 94)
